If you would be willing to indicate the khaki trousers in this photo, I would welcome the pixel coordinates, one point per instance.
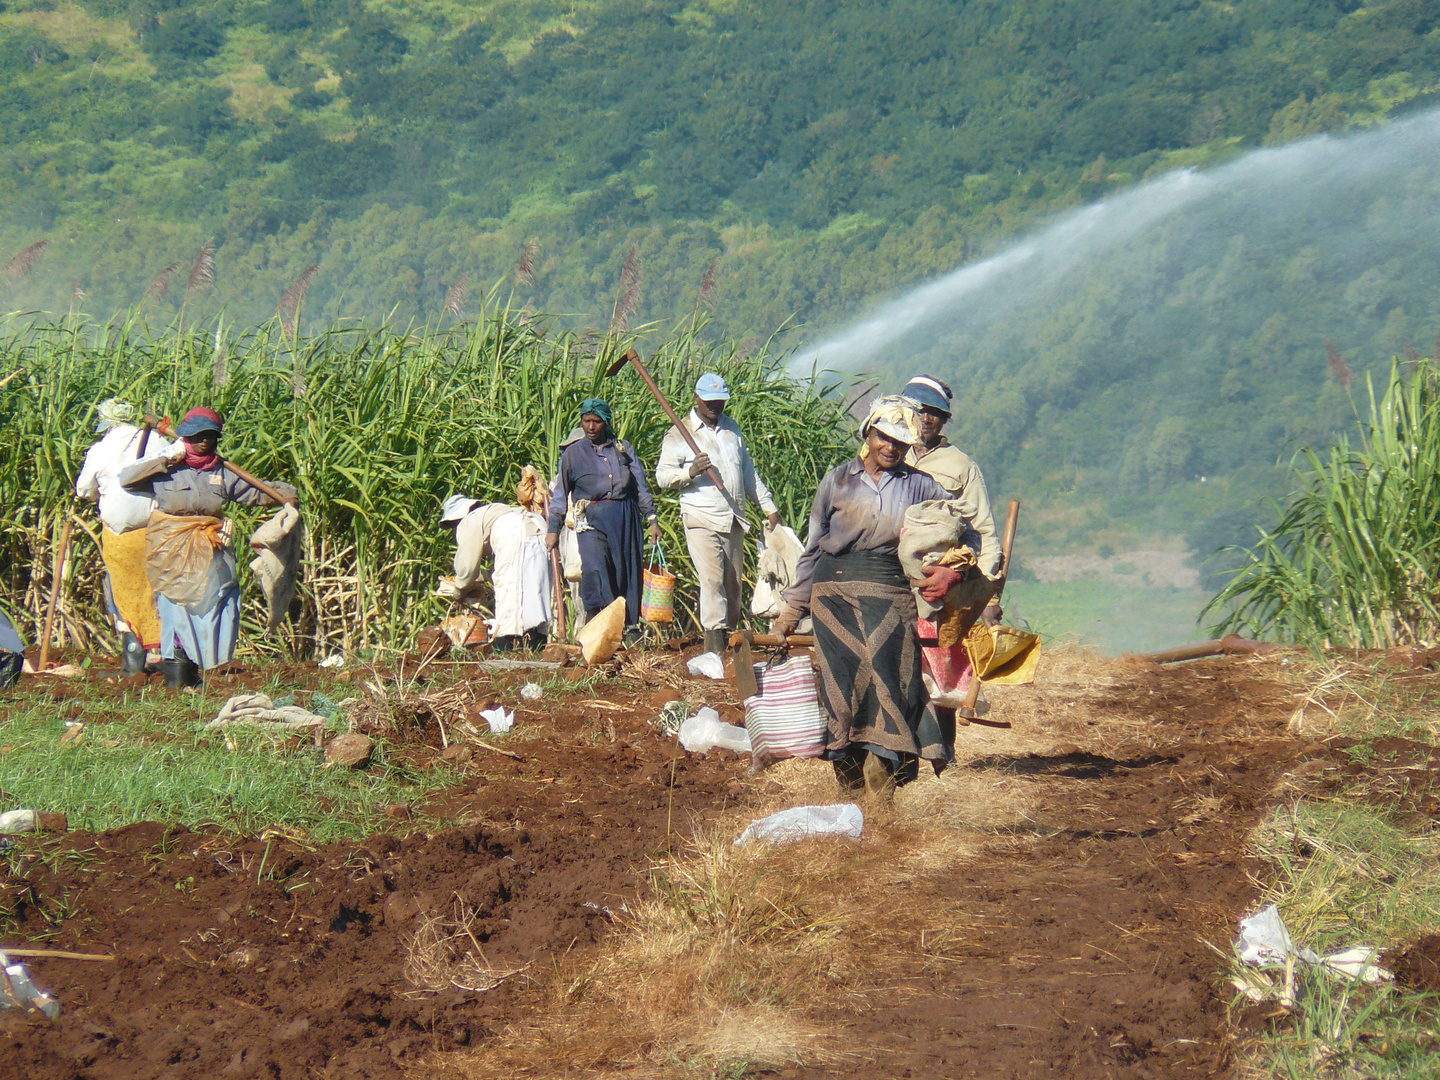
(718, 559)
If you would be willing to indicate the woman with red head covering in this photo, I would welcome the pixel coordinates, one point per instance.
(188, 553)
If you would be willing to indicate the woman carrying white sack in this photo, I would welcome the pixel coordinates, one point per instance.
(521, 577)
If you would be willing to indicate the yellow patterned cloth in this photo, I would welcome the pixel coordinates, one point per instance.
(124, 555)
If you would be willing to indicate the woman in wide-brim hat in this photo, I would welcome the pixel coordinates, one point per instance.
(606, 480)
(188, 545)
(850, 582)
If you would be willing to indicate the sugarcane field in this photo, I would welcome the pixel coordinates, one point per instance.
(553, 732)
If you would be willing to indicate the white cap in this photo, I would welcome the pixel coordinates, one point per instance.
(456, 507)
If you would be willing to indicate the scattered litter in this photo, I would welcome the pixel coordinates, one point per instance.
(65, 671)
(13, 821)
(601, 636)
(705, 730)
(18, 992)
(1265, 943)
(511, 665)
(532, 691)
(671, 717)
(708, 664)
(334, 660)
(499, 718)
(602, 908)
(258, 710)
(787, 826)
(322, 704)
(74, 732)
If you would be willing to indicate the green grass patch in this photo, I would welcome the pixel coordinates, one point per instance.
(148, 759)
(1344, 874)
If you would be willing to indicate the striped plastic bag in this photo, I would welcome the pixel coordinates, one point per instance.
(785, 719)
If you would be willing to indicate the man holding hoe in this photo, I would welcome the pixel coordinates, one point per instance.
(714, 519)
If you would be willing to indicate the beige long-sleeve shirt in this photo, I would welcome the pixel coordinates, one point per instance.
(957, 473)
(702, 504)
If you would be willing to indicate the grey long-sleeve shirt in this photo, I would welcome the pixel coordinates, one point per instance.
(852, 512)
(179, 489)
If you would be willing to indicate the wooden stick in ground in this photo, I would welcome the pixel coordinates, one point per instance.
(495, 749)
(633, 358)
(53, 954)
(1012, 520)
(54, 593)
(165, 429)
(557, 577)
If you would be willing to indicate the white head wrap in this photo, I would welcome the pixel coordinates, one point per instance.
(113, 412)
(893, 415)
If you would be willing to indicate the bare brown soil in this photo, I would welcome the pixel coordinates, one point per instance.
(1081, 951)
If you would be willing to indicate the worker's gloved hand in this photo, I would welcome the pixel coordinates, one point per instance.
(699, 465)
(938, 580)
(552, 541)
(176, 453)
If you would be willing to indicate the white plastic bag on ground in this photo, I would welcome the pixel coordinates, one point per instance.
(803, 822)
(706, 730)
(1265, 943)
(708, 664)
(21, 993)
(499, 718)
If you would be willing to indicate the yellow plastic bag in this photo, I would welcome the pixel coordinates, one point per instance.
(600, 637)
(179, 551)
(1002, 655)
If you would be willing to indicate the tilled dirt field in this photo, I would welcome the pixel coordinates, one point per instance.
(1080, 952)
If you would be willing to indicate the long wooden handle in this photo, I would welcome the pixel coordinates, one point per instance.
(54, 593)
(1012, 519)
(163, 426)
(557, 575)
(1007, 545)
(634, 358)
(800, 641)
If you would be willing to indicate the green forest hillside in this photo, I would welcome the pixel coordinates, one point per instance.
(825, 153)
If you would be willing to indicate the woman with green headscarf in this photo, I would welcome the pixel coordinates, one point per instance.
(606, 480)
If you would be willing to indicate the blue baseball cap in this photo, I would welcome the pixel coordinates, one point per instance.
(711, 387)
(929, 393)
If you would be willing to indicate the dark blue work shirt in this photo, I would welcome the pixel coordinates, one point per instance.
(610, 470)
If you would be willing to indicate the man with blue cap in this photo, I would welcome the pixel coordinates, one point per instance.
(947, 667)
(952, 468)
(715, 523)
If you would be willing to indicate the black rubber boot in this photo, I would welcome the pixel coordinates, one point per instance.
(11, 665)
(180, 672)
(132, 655)
(715, 641)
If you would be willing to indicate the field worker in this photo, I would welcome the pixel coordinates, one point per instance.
(850, 582)
(714, 520)
(948, 669)
(606, 481)
(515, 534)
(188, 551)
(123, 516)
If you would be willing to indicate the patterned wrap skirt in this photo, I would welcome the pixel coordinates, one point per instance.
(869, 662)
